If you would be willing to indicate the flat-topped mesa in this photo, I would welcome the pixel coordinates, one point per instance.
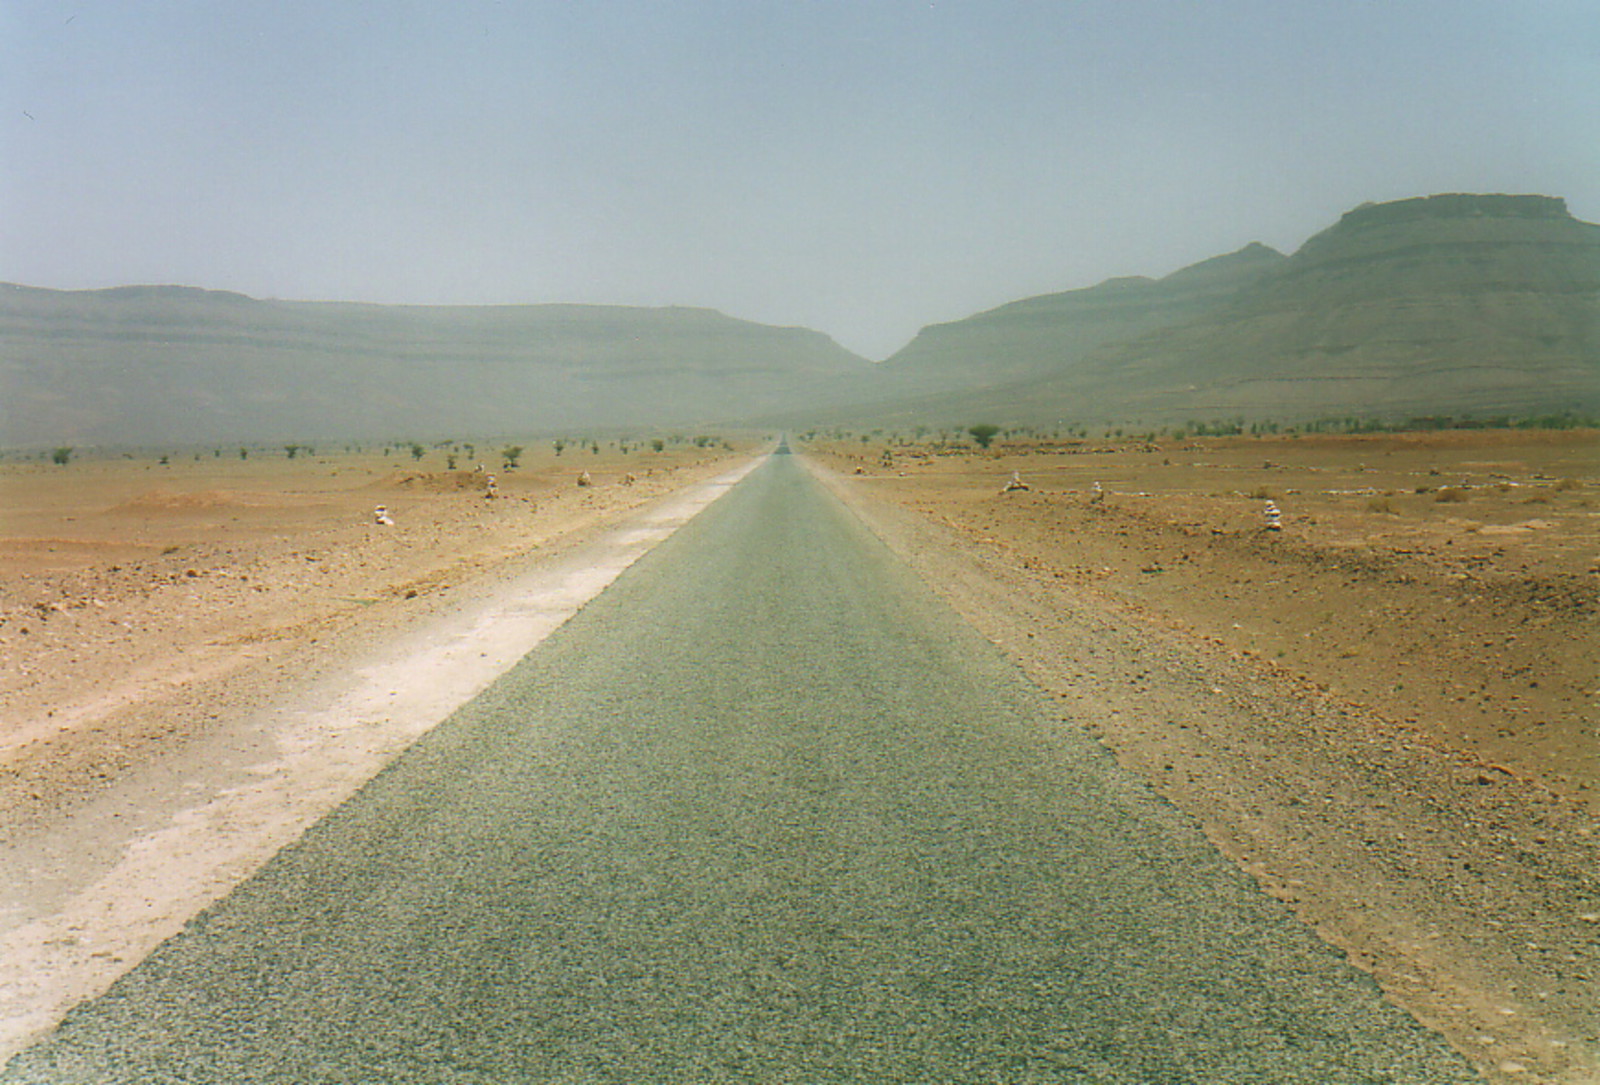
(139, 365)
(1456, 205)
(1465, 305)
(1458, 240)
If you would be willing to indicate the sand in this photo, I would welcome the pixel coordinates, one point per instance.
(126, 579)
(165, 761)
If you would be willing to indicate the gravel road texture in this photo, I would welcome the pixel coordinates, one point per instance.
(766, 810)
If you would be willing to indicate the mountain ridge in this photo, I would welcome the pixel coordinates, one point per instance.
(1460, 304)
(1457, 304)
(1066, 324)
(130, 365)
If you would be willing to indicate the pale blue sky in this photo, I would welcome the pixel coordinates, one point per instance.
(861, 168)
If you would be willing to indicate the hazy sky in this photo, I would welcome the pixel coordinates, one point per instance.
(861, 168)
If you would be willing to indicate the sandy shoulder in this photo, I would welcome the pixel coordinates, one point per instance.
(162, 778)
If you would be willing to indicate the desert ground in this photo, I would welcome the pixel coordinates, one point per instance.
(129, 581)
(1385, 711)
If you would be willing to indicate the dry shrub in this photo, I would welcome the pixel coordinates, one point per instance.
(1383, 505)
(1450, 495)
(1568, 484)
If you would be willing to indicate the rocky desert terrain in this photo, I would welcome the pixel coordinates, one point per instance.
(204, 655)
(129, 581)
(1385, 710)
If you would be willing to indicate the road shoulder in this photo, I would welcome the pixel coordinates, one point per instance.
(235, 765)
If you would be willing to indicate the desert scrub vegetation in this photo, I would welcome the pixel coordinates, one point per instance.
(983, 433)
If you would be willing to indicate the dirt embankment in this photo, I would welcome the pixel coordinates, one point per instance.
(130, 584)
(1385, 710)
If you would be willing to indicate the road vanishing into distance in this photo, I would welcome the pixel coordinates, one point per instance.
(764, 811)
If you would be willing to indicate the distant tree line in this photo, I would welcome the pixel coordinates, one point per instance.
(984, 434)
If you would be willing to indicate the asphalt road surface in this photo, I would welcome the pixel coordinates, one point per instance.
(764, 811)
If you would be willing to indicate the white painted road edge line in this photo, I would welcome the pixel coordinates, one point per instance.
(324, 755)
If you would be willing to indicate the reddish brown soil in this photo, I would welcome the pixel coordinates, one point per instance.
(127, 582)
(1386, 710)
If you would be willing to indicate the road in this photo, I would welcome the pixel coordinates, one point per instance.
(765, 811)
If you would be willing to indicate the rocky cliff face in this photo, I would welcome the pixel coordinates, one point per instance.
(137, 365)
(1459, 305)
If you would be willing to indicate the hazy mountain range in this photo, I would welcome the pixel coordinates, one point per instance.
(175, 364)
(1454, 305)
(1462, 305)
